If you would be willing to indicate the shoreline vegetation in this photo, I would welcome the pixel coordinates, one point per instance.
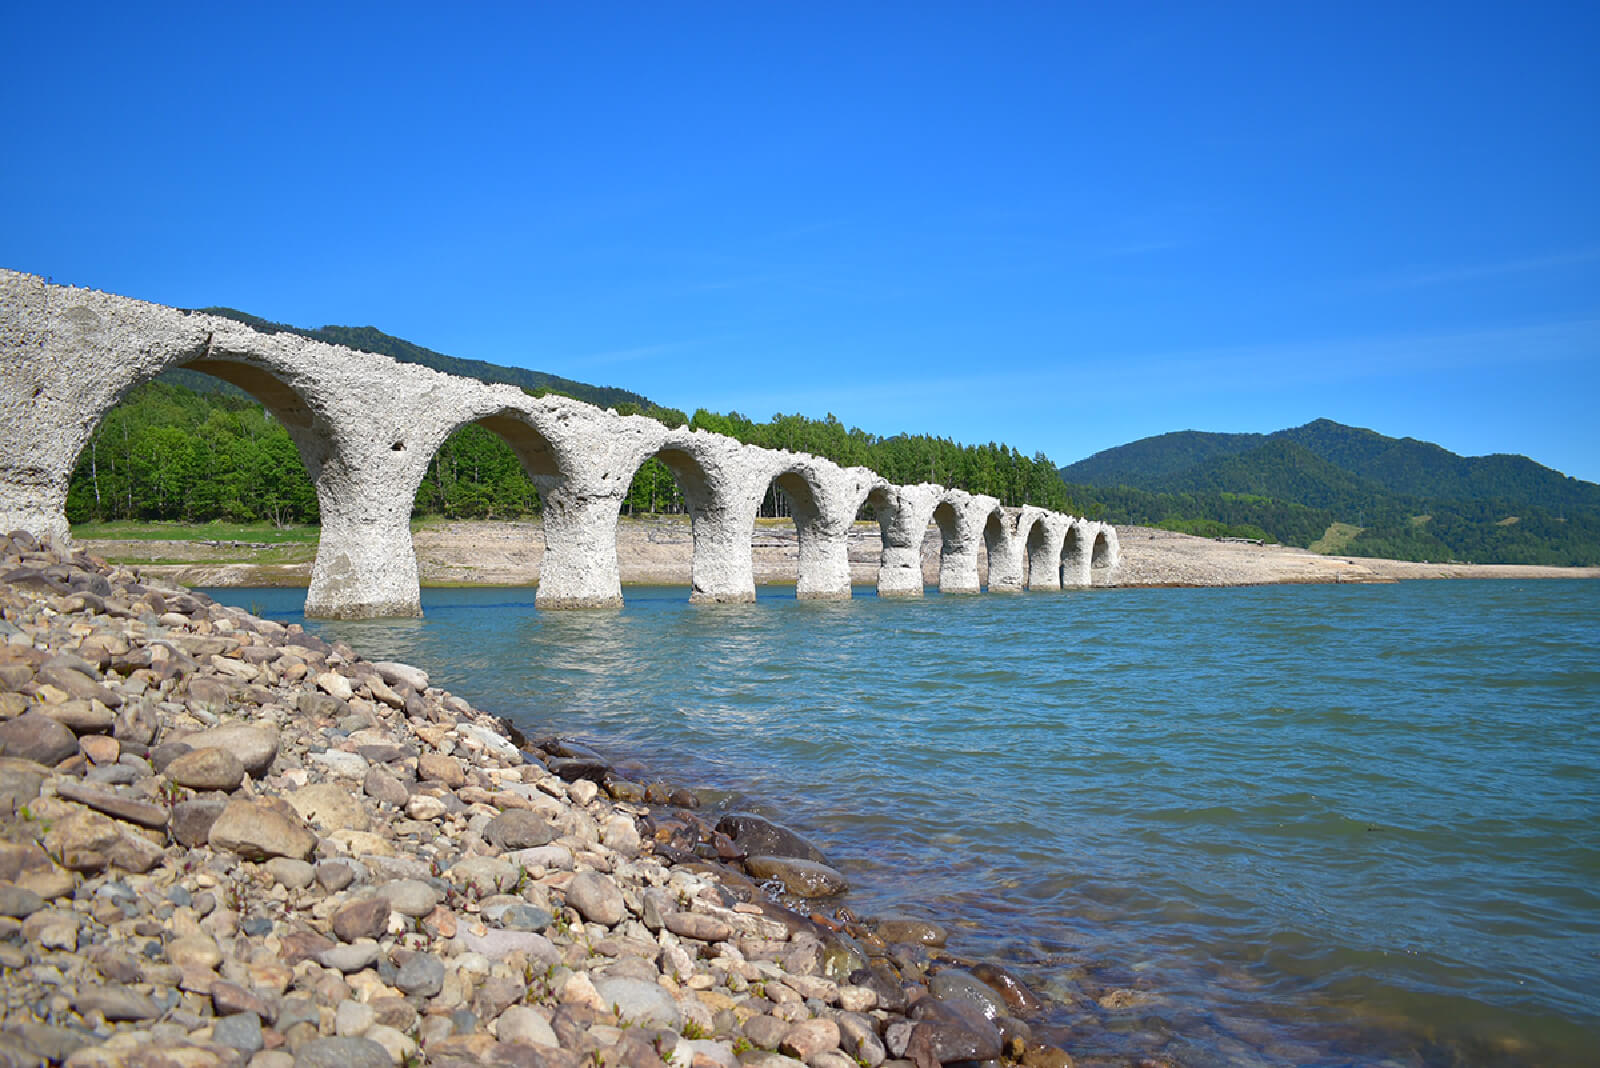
(227, 841)
(658, 551)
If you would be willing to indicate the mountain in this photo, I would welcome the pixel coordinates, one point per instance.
(371, 339)
(1372, 493)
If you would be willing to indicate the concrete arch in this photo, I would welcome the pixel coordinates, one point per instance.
(962, 518)
(1044, 545)
(904, 513)
(1074, 560)
(1105, 555)
(1006, 534)
(826, 498)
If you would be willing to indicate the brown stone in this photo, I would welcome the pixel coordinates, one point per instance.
(120, 806)
(35, 736)
(258, 830)
(436, 767)
(367, 918)
(207, 769)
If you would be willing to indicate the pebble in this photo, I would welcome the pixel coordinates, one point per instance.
(206, 769)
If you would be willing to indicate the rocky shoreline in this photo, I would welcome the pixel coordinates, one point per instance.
(227, 842)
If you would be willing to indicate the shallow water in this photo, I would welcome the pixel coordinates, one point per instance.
(1303, 824)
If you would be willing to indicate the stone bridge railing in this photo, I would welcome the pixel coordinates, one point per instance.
(367, 426)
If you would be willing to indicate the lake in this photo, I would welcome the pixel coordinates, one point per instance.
(1274, 825)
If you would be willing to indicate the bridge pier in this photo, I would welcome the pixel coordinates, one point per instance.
(962, 518)
(579, 569)
(903, 516)
(1004, 535)
(1074, 565)
(366, 567)
(1044, 551)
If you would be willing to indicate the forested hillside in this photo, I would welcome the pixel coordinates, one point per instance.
(1346, 489)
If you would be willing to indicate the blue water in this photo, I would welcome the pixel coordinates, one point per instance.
(1302, 824)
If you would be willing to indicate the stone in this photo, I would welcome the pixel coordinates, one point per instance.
(381, 785)
(340, 764)
(335, 685)
(410, 897)
(36, 737)
(596, 898)
(521, 1023)
(292, 873)
(352, 1018)
(335, 875)
(191, 821)
(241, 1031)
(397, 674)
(342, 1053)
(194, 951)
(519, 829)
(349, 957)
(20, 782)
(262, 829)
(803, 878)
(18, 902)
(695, 925)
(206, 769)
(760, 837)
(425, 807)
(366, 918)
(82, 717)
(910, 929)
(1020, 1000)
(398, 1044)
(951, 984)
(254, 746)
(497, 944)
(116, 1003)
(331, 807)
(422, 975)
(436, 767)
(640, 1003)
(488, 874)
(119, 806)
(808, 1038)
(231, 998)
(100, 749)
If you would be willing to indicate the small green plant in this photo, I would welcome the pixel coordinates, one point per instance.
(694, 1032)
(742, 1045)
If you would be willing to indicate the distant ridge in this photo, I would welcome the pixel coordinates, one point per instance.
(371, 339)
(1396, 496)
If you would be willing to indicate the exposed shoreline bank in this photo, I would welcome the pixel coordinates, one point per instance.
(658, 551)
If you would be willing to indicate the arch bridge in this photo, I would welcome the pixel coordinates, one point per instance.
(366, 427)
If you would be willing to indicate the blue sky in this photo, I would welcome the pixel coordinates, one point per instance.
(1054, 225)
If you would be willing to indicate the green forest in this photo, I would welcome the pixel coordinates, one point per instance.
(171, 452)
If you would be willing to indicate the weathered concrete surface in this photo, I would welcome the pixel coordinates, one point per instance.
(962, 518)
(366, 428)
(1044, 546)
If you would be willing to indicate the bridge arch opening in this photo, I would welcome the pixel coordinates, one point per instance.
(1103, 555)
(1074, 561)
(496, 466)
(183, 446)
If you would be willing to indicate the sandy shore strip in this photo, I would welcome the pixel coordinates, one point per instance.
(659, 552)
(225, 841)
